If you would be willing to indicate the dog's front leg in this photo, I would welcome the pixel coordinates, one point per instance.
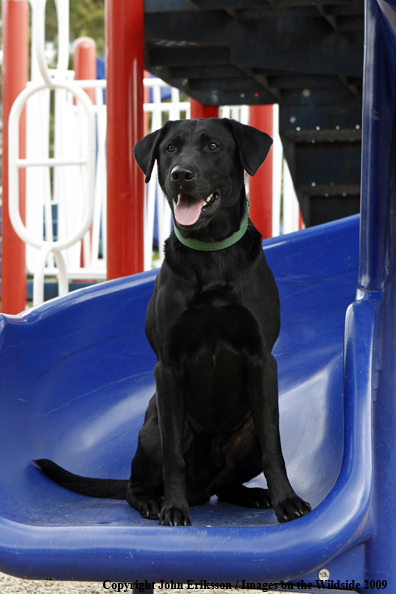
(263, 394)
(170, 404)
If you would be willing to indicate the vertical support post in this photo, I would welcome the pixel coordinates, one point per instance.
(125, 184)
(84, 66)
(15, 77)
(203, 111)
(260, 186)
(84, 62)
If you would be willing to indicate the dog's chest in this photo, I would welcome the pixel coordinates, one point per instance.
(210, 330)
(210, 345)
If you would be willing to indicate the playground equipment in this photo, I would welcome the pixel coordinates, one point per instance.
(76, 375)
(66, 217)
(57, 188)
(15, 74)
(65, 155)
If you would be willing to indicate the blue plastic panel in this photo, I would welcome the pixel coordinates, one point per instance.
(378, 271)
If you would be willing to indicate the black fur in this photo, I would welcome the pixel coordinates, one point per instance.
(213, 423)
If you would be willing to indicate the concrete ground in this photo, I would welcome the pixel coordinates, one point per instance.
(12, 585)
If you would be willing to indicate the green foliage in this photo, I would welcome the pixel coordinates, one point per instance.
(86, 20)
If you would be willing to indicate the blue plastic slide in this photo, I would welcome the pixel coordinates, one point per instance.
(76, 375)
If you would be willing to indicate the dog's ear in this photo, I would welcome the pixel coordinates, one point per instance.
(253, 146)
(146, 151)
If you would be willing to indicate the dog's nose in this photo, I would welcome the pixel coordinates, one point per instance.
(182, 174)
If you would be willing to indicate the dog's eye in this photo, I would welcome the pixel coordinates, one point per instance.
(212, 146)
(171, 148)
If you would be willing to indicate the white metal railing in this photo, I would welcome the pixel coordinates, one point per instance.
(43, 82)
(68, 190)
(77, 186)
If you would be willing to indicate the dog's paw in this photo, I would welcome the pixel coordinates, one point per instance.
(150, 508)
(256, 498)
(148, 505)
(291, 508)
(172, 515)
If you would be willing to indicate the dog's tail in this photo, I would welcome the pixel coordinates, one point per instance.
(92, 487)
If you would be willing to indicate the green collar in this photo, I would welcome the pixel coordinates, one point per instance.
(205, 246)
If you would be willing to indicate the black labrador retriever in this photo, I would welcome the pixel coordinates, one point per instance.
(213, 423)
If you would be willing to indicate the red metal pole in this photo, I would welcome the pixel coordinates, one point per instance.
(15, 77)
(84, 62)
(203, 111)
(260, 186)
(84, 66)
(125, 183)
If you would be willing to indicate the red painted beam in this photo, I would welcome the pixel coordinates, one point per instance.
(260, 186)
(84, 62)
(203, 111)
(84, 66)
(301, 224)
(15, 77)
(124, 97)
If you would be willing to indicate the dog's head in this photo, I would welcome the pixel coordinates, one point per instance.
(201, 165)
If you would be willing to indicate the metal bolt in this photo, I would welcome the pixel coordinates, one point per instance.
(324, 575)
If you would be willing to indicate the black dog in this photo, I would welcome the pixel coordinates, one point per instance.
(212, 321)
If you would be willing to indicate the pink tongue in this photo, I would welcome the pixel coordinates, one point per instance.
(187, 211)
